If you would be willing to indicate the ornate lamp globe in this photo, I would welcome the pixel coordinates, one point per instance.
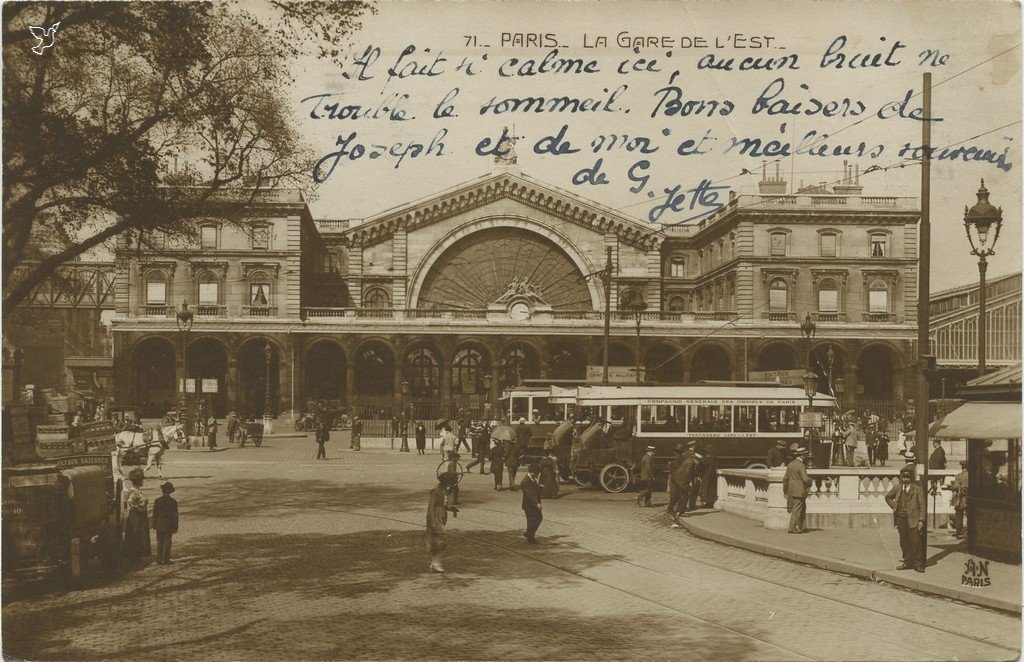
(979, 221)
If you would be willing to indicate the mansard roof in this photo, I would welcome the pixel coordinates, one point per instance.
(508, 184)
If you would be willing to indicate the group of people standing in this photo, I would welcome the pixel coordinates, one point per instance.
(136, 521)
(691, 476)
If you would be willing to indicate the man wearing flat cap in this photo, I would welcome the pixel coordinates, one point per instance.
(646, 478)
(908, 509)
(794, 486)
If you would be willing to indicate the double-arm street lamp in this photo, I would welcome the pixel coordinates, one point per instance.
(184, 319)
(978, 222)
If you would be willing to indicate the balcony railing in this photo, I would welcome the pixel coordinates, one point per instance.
(577, 315)
(211, 311)
(879, 317)
(645, 316)
(714, 316)
(157, 310)
(259, 311)
(779, 316)
(829, 317)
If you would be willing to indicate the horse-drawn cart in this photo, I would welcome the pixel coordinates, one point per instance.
(250, 431)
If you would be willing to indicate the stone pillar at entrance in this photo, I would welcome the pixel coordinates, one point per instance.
(233, 404)
(350, 380)
(446, 383)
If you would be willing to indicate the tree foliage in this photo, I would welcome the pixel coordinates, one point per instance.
(142, 114)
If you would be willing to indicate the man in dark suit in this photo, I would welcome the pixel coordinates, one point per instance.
(937, 460)
(683, 479)
(165, 523)
(794, 486)
(777, 455)
(530, 487)
(908, 509)
(646, 478)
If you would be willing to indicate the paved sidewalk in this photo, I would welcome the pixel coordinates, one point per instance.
(872, 554)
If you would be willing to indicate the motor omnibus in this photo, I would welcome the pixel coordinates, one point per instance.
(549, 408)
(741, 420)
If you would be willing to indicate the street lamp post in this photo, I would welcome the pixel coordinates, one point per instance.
(810, 388)
(267, 428)
(980, 218)
(402, 420)
(638, 314)
(184, 319)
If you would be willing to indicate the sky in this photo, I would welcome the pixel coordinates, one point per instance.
(976, 90)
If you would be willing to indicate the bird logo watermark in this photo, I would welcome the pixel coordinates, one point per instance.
(45, 38)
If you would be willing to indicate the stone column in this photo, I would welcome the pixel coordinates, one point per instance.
(233, 403)
(350, 379)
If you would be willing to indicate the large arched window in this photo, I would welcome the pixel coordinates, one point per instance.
(630, 299)
(376, 297)
(467, 372)
(778, 296)
(878, 297)
(259, 293)
(828, 297)
(156, 288)
(209, 292)
(421, 368)
(677, 304)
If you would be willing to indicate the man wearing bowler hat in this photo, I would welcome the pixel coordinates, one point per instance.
(165, 522)
(530, 487)
(646, 478)
(794, 486)
(908, 509)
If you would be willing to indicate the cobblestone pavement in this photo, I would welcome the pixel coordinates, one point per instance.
(284, 557)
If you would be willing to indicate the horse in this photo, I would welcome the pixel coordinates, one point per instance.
(130, 443)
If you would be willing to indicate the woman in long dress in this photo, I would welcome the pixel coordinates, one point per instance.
(421, 439)
(549, 477)
(437, 518)
(136, 527)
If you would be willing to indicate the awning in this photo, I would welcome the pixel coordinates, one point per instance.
(981, 420)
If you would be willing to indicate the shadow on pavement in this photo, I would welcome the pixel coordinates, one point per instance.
(298, 590)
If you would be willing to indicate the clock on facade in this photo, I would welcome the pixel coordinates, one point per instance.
(519, 311)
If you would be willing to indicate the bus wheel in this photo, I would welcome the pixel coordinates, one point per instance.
(614, 478)
(583, 479)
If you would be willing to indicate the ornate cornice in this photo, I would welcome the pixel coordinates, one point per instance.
(788, 274)
(508, 186)
(249, 267)
(891, 275)
(839, 274)
(150, 265)
(220, 268)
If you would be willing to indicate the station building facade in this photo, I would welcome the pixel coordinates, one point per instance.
(442, 302)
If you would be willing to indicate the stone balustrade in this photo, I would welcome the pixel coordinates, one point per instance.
(837, 498)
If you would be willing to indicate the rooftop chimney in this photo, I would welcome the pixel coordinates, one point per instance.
(771, 185)
(850, 182)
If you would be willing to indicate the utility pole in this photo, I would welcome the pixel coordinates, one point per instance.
(923, 295)
(606, 278)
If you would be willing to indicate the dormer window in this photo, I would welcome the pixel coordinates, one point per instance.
(879, 245)
(208, 237)
(829, 244)
(778, 245)
(261, 238)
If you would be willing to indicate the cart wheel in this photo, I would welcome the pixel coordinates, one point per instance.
(614, 478)
(583, 478)
(443, 468)
(257, 441)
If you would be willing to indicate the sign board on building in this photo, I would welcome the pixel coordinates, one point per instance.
(209, 386)
(190, 386)
(781, 377)
(616, 374)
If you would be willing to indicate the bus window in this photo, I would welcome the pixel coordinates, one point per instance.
(541, 411)
(711, 418)
(778, 419)
(520, 408)
(744, 418)
(658, 418)
(618, 413)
